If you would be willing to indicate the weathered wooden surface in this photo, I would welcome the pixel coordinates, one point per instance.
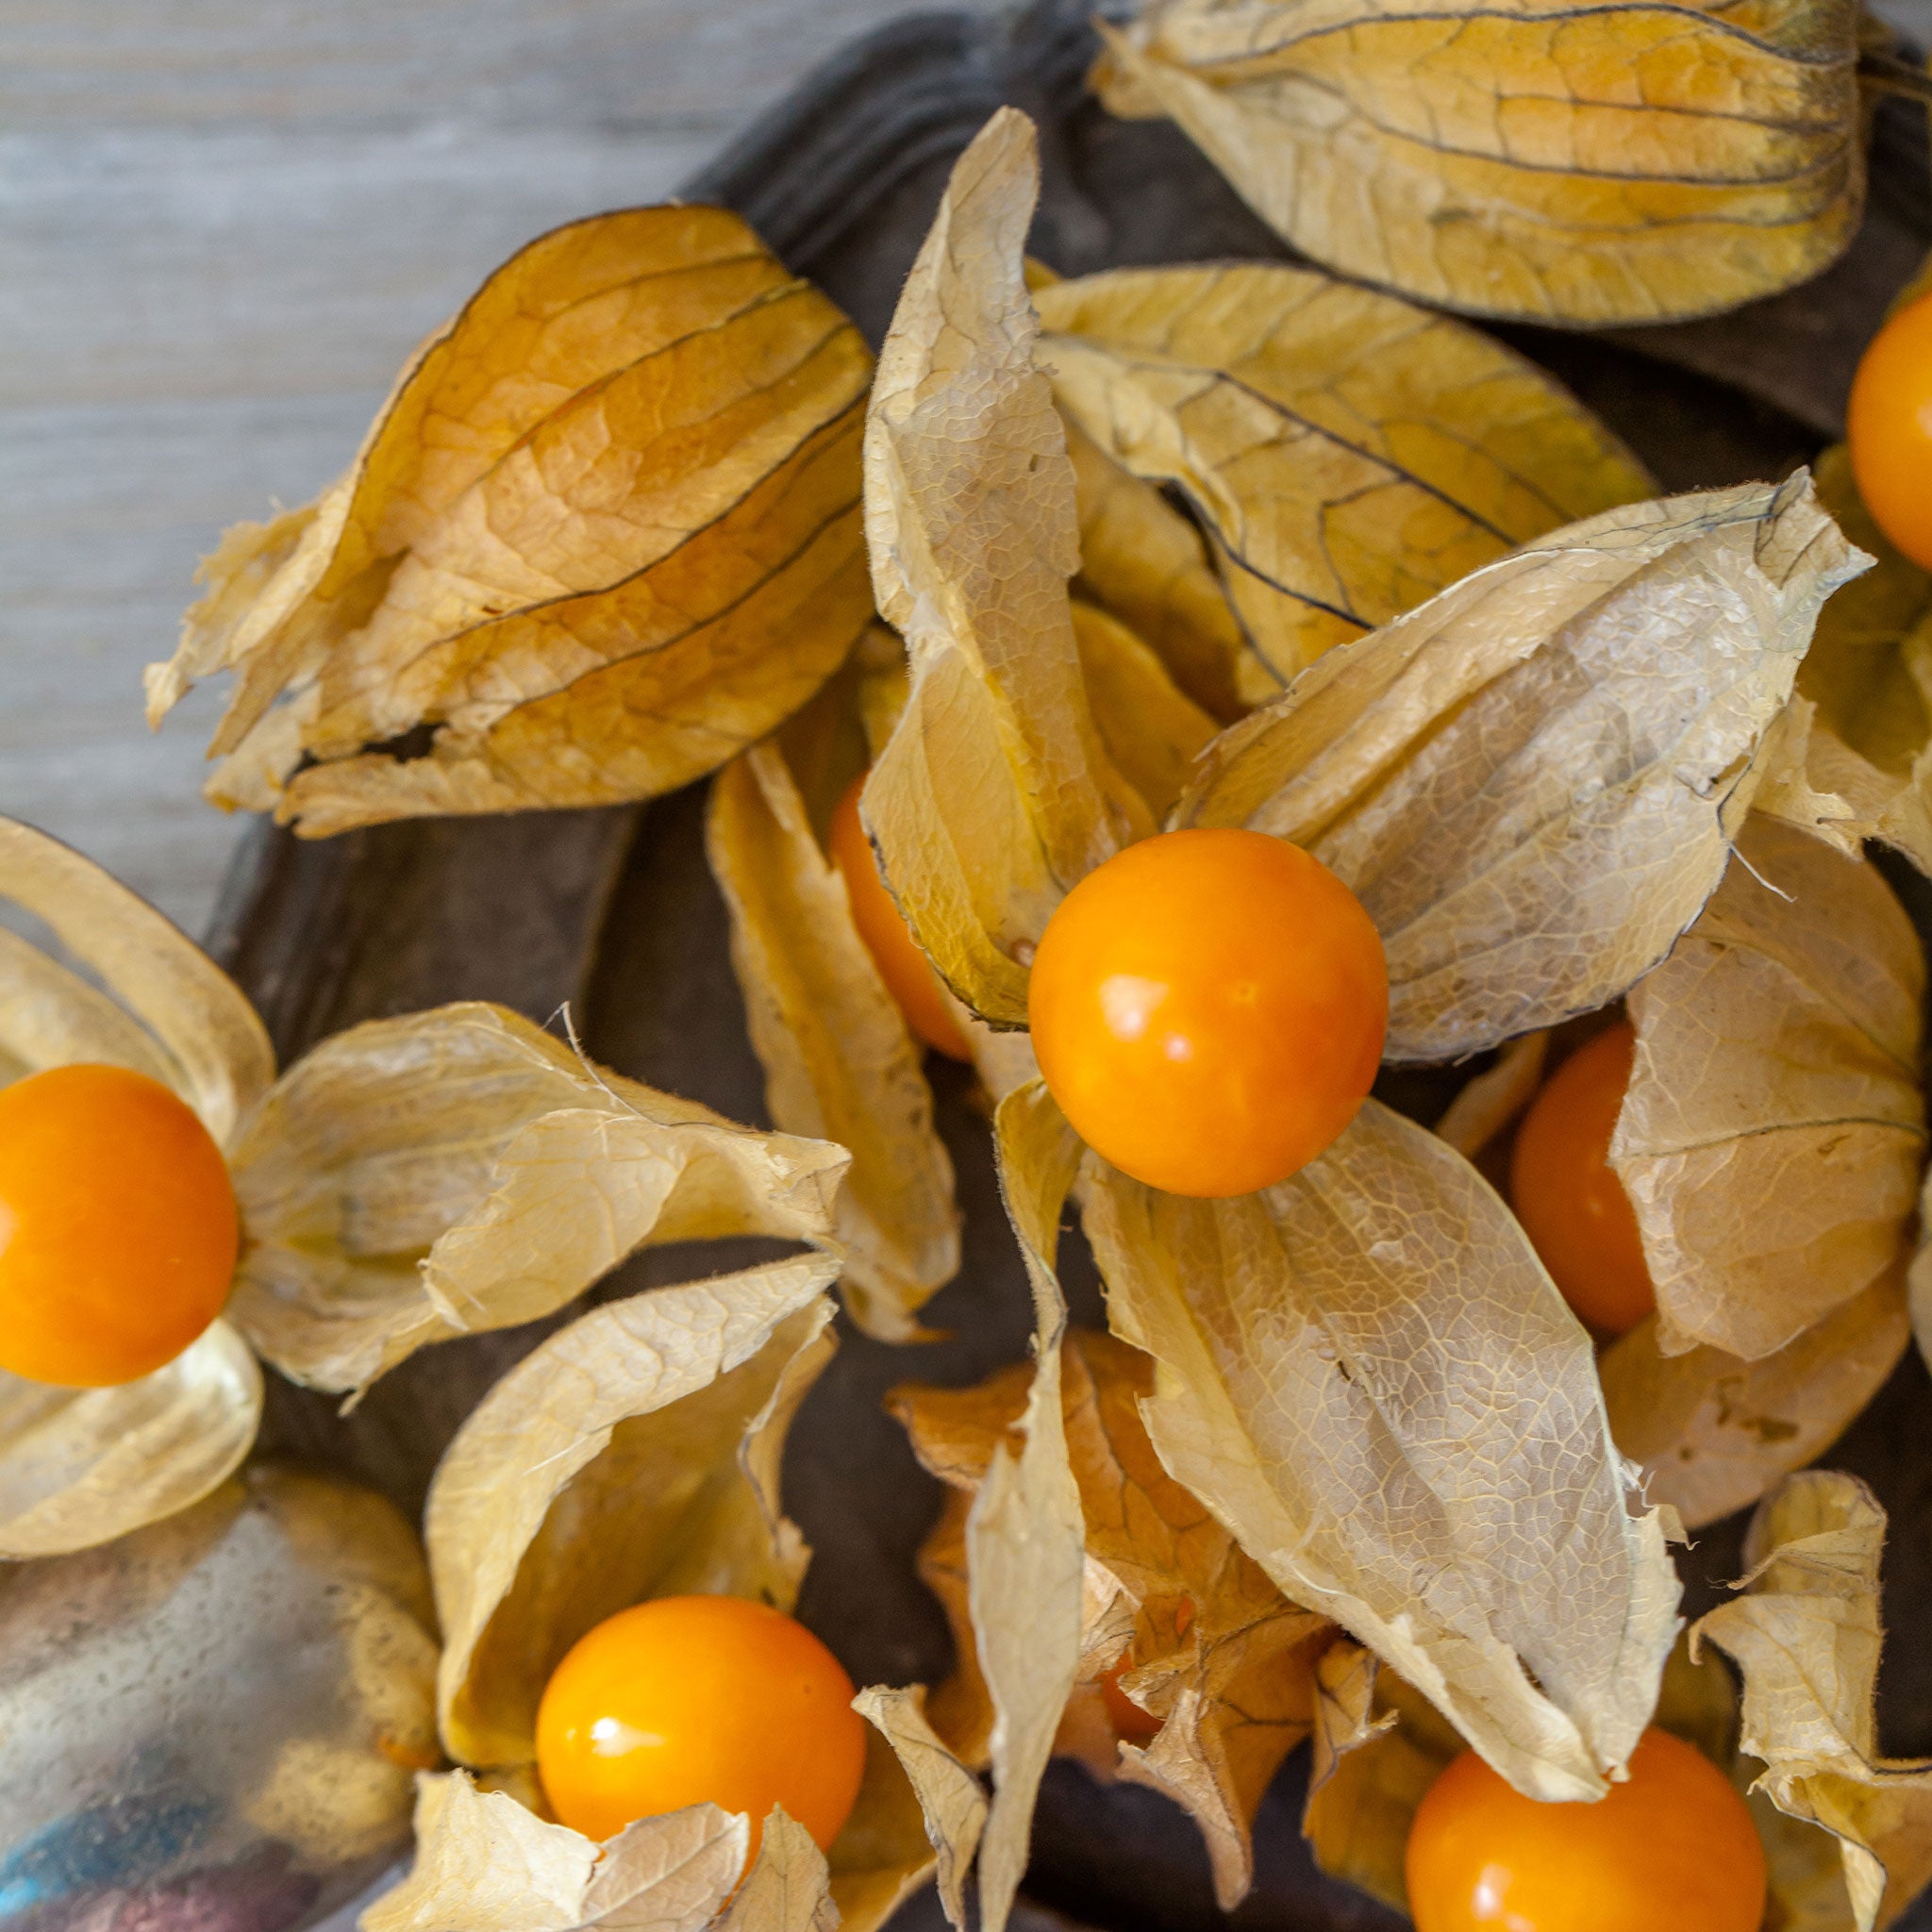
(616, 910)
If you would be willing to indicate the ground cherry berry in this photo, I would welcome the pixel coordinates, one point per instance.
(1888, 427)
(687, 1699)
(1567, 1194)
(117, 1230)
(1131, 1725)
(1675, 1848)
(907, 970)
(1207, 1007)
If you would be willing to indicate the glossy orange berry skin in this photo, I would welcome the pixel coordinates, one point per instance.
(1567, 1194)
(118, 1230)
(689, 1699)
(1208, 1008)
(908, 973)
(1889, 428)
(1673, 1850)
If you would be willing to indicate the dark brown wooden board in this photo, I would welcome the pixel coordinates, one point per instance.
(615, 910)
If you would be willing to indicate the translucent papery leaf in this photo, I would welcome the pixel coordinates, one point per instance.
(1366, 1375)
(605, 533)
(461, 1170)
(179, 1018)
(1713, 1433)
(1772, 1134)
(1806, 1637)
(1858, 763)
(1151, 728)
(994, 796)
(1639, 163)
(887, 1849)
(82, 1466)
(1490, 1101)
(950, 1798)
(486, 1863)
(1144, 562)
(1349, 453)
(788, 1889)
(840, 1063)
(1532, 780)
(631, 1455)
(1212, 1648)
(1023, 1537)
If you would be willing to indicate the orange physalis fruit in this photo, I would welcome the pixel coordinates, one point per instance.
(118, 1230)
(1675, 1848)
(690, 1699)
(907, 970)
(1889, 428)
(1131, 1725)
(1209, 1007)
(1567, 1194)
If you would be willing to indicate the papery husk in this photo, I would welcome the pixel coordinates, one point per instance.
(1640, 162)
(1365, 1374)
(83, 1466)
(840, 1063)
(1488, 1105)
(1771, 1136)
(1348, 453)
(1532, 781)
(994, 796)
(1151, 728)
(175, 1015)
(789, 1889)
(1805, 1637)
(604, 534)
(1713, 1433)
(1856, 762)
(461, 1170)
(914, 1817)
(1213, 1649)
(1144, 562)
(634, 1454)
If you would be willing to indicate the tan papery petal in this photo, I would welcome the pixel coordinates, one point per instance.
(950, 1797)
(994, 796)
(1805, 1637)
(605, 533)
(887, 1850)
(1491, 1101)
(1365, 1374)
(1151, 728)
(175, 1015)
(461, 1170)
(486, 1863)
(1532, 780)
(788, 1889)
(1349, 453)
(633, 1454)
(82, 1466)
(1772, 1134)
(1025, 1561)
(1713, 1433)
(840, 1063)
(1635, 163)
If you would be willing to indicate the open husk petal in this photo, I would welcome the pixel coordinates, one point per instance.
(1348, 453)
(631, 1455)
(82, 1466)
(994, 796)
(896, 1839)
(1212, 1648)
(952, 1804)
(605, 533)
(840, 1063)
(1771, 1136)
(175, 1015)
(1365, 1374)
(461, 1170)
(1637, 163)
(1532, 781)
(1856, 762)
(1151, 728)
(1713, 1433)
(1805, 1637)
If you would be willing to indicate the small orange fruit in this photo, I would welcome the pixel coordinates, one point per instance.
(1131, 1725)
(118, 1230)
(1675, 1848)
(1209, 1009)
(906, 970)
(689, 1699)
(1888, 427)
(1567, 1194)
